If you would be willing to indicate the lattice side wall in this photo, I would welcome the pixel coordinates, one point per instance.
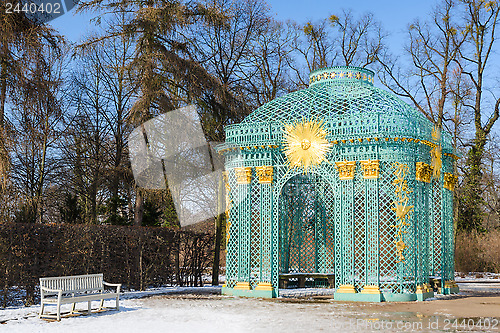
(232, 245)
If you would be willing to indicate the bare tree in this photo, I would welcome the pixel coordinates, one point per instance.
(476, 58)
(433, 51)
(267, 74)
(344, 40)
(38, 126)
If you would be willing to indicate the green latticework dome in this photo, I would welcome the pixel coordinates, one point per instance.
(350, 105)
(335, 92)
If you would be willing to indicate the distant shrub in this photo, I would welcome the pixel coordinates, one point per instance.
(478, 252)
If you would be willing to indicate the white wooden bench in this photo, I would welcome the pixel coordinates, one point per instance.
(74, 289)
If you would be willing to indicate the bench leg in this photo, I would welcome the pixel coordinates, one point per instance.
(73, 308)
(58, 311)
(302, 282)
(101, 304)
(118, 302)
(41, 310)
(89, 307)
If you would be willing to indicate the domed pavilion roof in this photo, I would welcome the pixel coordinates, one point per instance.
(335, 92)
(348, 103)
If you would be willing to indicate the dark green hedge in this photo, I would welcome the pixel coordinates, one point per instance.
(137, 257)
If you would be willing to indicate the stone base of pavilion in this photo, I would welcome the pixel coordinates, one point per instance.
(340, 294)
(263, 290)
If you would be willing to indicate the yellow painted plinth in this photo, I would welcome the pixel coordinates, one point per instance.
(421, 289)
(450, 284)
(371, 289)
(424, 288)
(264, 286)
(242, 286)
(346, 289)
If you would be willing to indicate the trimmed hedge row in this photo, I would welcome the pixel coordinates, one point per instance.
(137, 257)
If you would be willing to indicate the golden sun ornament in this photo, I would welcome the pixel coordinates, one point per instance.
(305, 144)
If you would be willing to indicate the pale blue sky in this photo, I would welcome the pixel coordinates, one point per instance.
(394, 15)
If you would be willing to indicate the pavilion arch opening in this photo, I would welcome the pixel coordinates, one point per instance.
(306, 229)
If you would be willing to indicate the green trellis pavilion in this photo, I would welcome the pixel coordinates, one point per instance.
(339, 185)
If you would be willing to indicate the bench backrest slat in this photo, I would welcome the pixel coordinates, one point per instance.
(76, 283)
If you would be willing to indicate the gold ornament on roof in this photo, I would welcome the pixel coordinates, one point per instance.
(305, 144)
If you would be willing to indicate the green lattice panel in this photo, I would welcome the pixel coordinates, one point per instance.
(436, 229)
(232, 244)
(347, 241)
(266, 223)
(388, 266)
(408, 271)
(360, 229)
(372, 234)
(244, 221)
(255, 232)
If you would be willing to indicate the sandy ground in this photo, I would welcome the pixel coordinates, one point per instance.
(475, 300)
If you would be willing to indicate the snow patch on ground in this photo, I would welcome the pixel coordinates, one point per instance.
(190, 309)
(478, 277)
(15, 316)
(199, 310)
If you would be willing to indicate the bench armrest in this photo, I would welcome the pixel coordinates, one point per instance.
(44, 289)
(117, 285)
(51, 290)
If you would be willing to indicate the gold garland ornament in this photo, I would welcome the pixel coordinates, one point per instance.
(436, 154)
(401, 207)
(305, 145)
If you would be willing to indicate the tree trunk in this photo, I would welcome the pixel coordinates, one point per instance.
(218, 241)
(139, 207)
(471, 215)
(218, 235)
(3, 93)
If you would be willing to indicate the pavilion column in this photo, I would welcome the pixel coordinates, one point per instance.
(243, 181)
(370, 176)
(346, 206)
(448, 265)
(423, 175)
(265, 179)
